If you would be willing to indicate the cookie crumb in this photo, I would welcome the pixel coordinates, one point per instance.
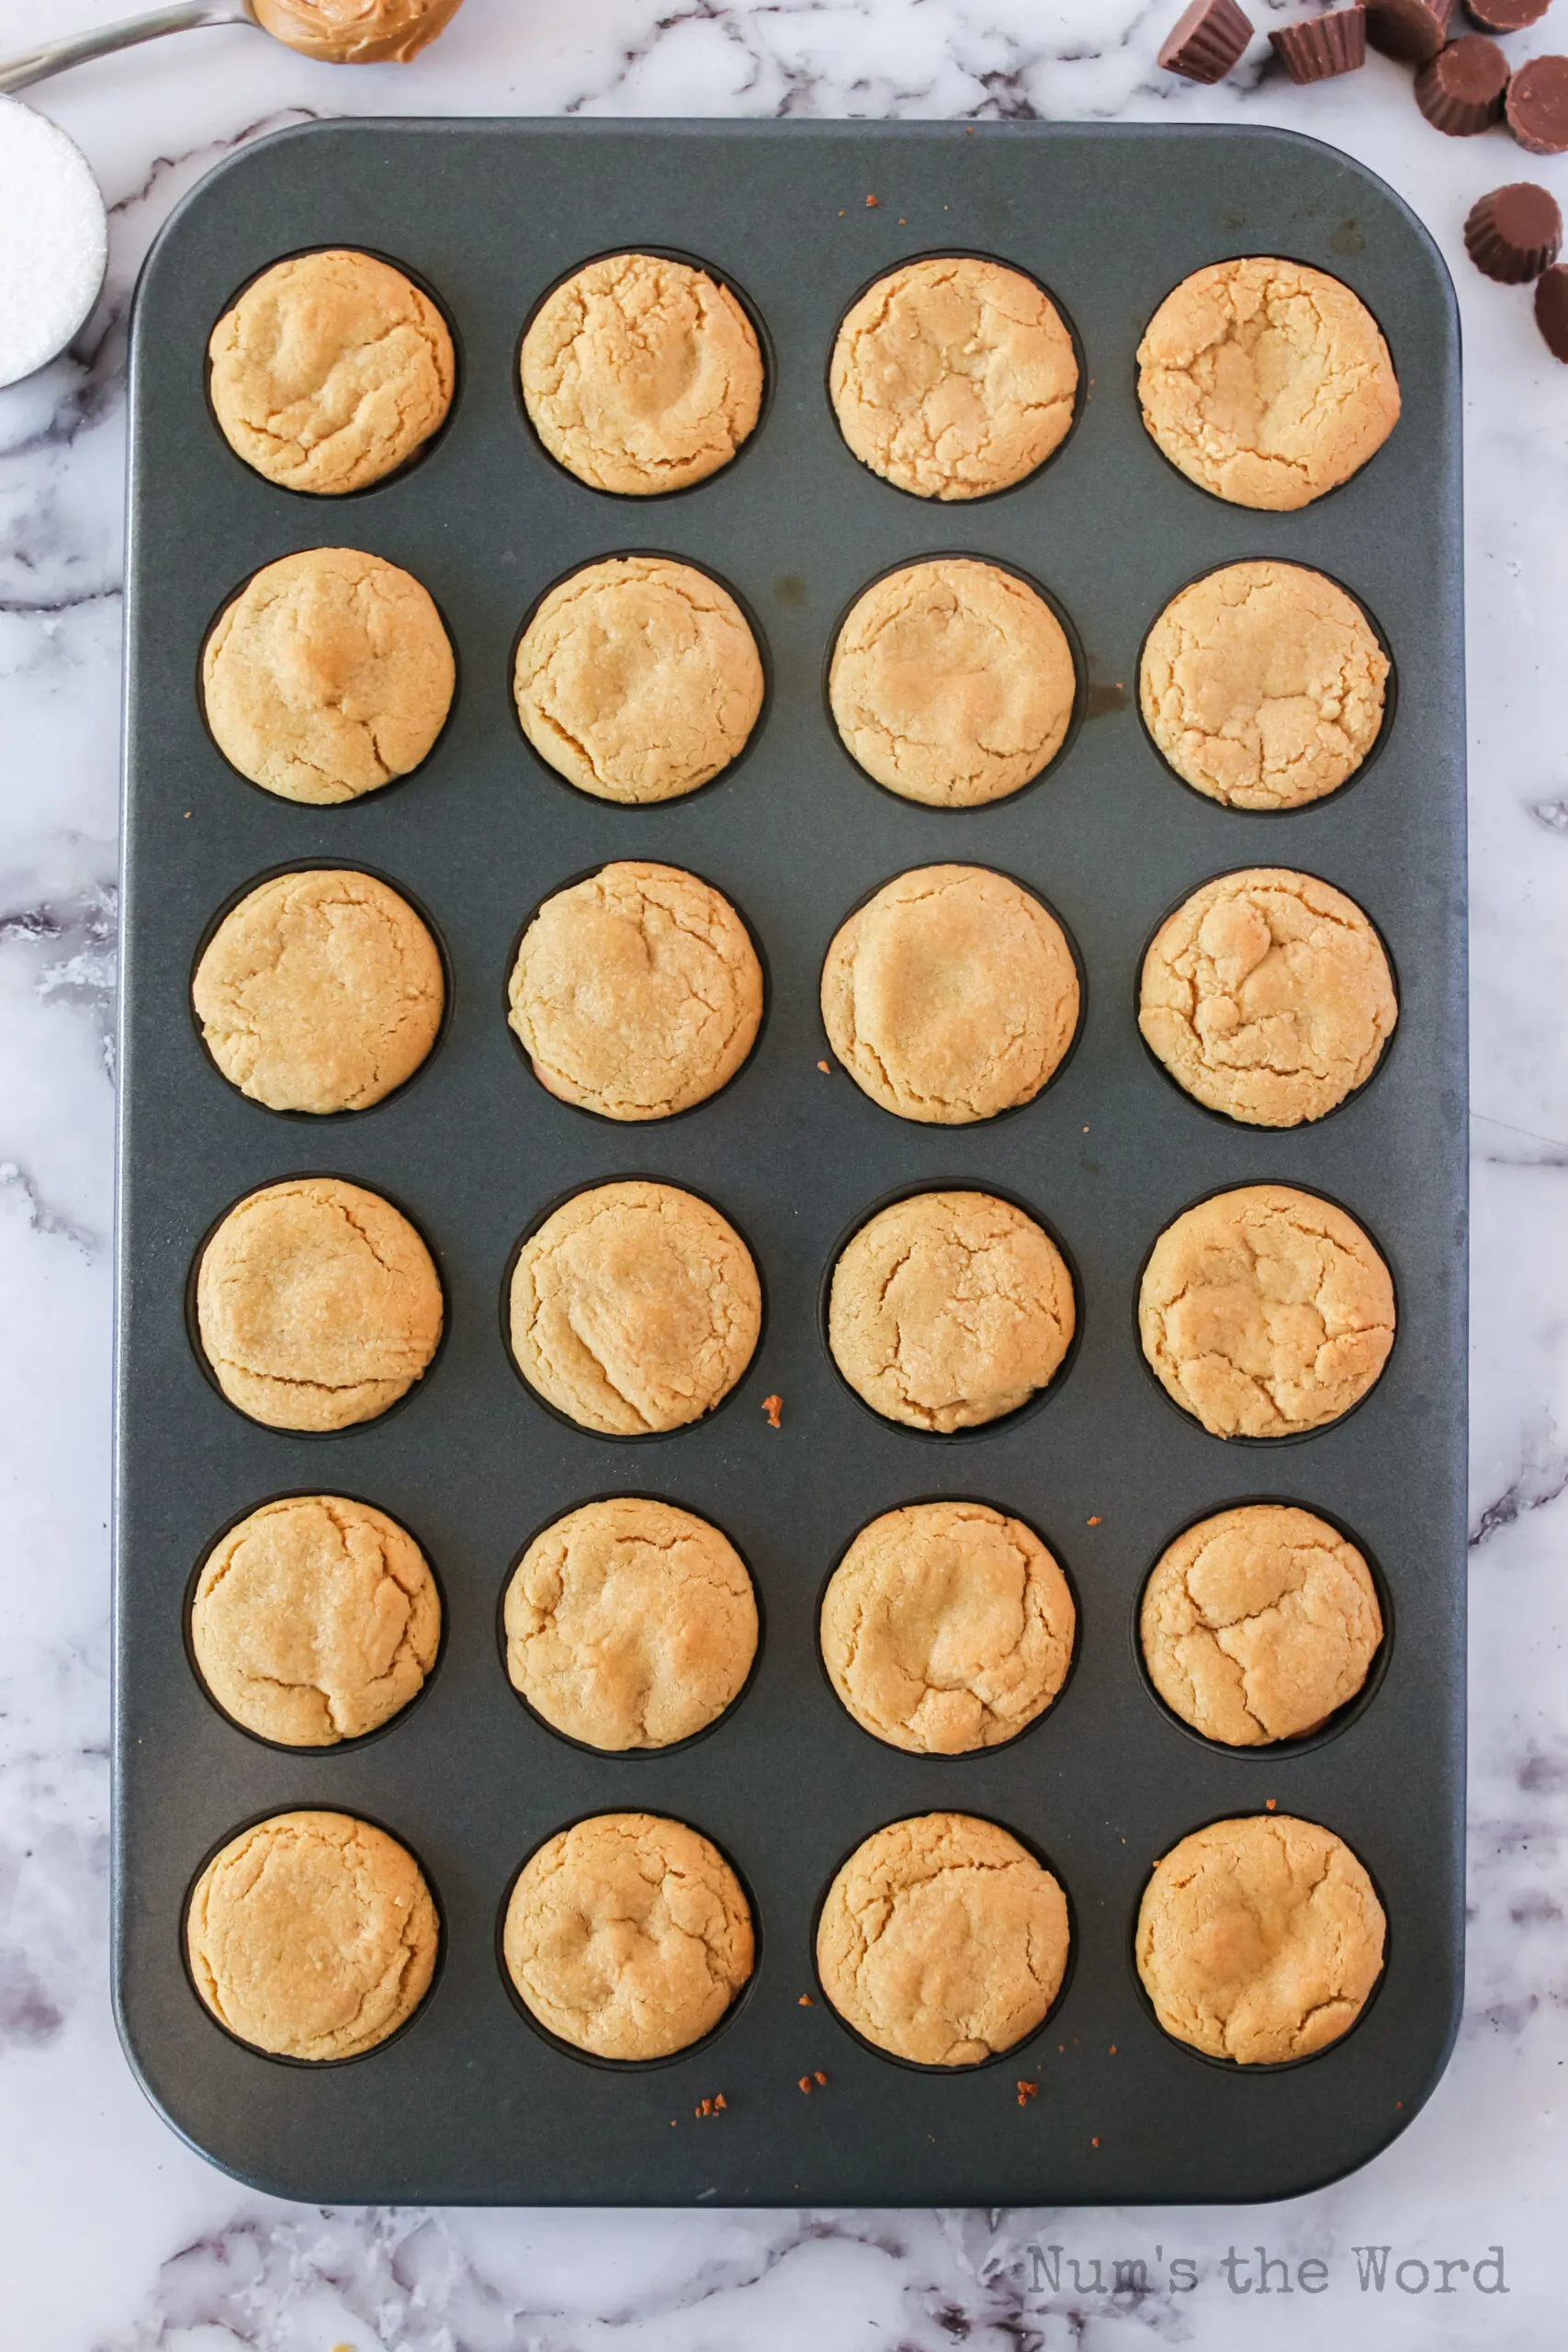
(1094, 1521)
(805, 2085)
(720, 2103)
(1269, 1803)
(870, 201)
(1026, 2091)
(826, 1068)
(774, 1408)
(821, 2078)
(1094, 2143)
(806, 2001)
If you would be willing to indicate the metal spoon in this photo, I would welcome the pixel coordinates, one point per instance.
(19, 73)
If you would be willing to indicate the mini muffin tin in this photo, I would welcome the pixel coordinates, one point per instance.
(469, 2103)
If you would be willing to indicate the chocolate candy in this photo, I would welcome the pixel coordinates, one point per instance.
(1515, 232)
(1460, 92)
(1552, 309)
(1506, 16)
(1323, 46)
(1538, 106)
(1412, 30)
(1206, 40)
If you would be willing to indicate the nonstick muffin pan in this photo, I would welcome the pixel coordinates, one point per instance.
(469, 2102)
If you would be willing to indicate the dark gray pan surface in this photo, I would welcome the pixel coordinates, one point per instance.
(469, 2103)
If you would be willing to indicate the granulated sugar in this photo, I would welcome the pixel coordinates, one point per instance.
(53, 240)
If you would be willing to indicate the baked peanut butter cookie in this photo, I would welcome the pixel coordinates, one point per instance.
(641, 374)
(954, 377)
(637, 992)
(1259, 1938)
(943, 1939)
(316, 1619)
(1268, 997)
(320, 991)
(317, 1303)
(634, 1307)
(638, 679)
(947, 1627)
(1259, 1623)
(1266, 1311)
(628, 1936)
(329, 675)
(630, 1623)
(313, 1936)
(949, 1309)
(1266, 382)
(330, 371)
(1262, 685)
(952, 683)
(950, 995)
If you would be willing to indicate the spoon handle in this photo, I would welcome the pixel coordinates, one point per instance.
(18, 72)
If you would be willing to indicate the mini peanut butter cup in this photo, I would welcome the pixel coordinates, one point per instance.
(1322, 47)
(1410, 31)
(1506, 16)
(1514, 233)
(1460, 92)
(1206, 40)
(1552, 309)
(1538, 106)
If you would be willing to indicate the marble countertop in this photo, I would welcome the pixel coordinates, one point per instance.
(114, 2237)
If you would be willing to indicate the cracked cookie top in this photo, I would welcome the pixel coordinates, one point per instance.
(329, 675)
(1266, 1311)
(947, 1627)
(953, 378)
(634, 1308)
(1266, 382)
(330, 371)
(952, 683)
(628, 1936)
(317, 1303)
(320, 991)
(630, 1623)
(943, 1939)
(1268, 997)
(1259, 1938)
(1259, 1623)
(950, 995)
(637, 992)
(313, 1936)
(638, 679)
(641, 375)
(949, 1309)
(1262, 684)
(315, 1620)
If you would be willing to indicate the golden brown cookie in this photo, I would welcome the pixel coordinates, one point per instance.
(1266, 1311)
(1262, 684)
(317, 1303)
(329, 675)
(952, 683)
(637, 992)
(330, 371)
(1266, 381)
(628, 1936)
(641, 375)
(953, 377)
(947, 1627)
(943, 1939)
(355, 32)
(630, 1623)
(950, 995)
(320, 991)
(638, 679)
(1259, 1938)
(949, 1309)
(313, 1936)
(635, 1306)
(1268, 997)
(315, 1620)
(1259, 1623)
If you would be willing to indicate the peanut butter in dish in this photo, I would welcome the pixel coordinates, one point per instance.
(355, 32)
